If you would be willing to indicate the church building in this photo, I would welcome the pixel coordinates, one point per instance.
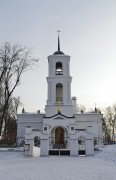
(61, 130)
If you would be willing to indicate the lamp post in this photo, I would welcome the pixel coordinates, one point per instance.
(26, 149)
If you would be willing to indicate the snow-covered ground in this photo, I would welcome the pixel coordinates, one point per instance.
(102, 166)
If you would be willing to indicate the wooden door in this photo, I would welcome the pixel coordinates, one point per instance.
(59, 135)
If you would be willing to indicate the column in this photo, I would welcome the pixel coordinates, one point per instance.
(44, 147)
(89, 147)
(73, 147)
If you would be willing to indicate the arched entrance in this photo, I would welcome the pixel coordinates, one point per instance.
(37, 141)
(36, 147)
(59, 135)
(33, 138)
(59, 141)
(81, 143)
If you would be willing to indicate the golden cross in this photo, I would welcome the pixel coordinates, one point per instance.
(59, 109)
(58, 32)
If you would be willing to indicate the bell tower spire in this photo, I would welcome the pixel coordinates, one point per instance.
(58, 52)
(59, 84)
(58, 40)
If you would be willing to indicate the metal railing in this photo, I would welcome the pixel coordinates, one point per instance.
(59, 146)
(59, 73)
(53, 145)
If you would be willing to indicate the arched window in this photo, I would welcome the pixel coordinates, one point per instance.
(59, 70)
(81, 142)
(81, 146)
(59, 92)
(37, 141)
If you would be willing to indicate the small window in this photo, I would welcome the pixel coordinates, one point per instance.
(45, 128)
(72, 128)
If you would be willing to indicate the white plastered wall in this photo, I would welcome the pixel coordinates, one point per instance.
(24, 120)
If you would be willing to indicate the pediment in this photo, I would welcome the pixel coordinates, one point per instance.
(59, 117)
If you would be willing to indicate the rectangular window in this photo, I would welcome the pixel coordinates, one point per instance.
(45, 128)
(72, 128)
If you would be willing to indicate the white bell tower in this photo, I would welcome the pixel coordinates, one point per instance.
(59, 84)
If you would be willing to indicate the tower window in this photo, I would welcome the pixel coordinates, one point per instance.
(59, 68)
(59, 92)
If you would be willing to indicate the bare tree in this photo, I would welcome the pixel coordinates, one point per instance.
(106, 131)
(10, 126)
(81, 108)
(113, 122)
(14, 61)
(110, 123)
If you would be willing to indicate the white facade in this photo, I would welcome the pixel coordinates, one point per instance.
(61, 127)
(59, 85)
(25, 120)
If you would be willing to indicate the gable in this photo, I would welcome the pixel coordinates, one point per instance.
(59, 117)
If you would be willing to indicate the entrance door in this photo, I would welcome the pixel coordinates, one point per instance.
(81, 142)
(59, 135)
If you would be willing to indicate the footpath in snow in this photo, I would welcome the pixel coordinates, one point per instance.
(102, 166)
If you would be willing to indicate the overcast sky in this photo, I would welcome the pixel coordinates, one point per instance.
(88, 35)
